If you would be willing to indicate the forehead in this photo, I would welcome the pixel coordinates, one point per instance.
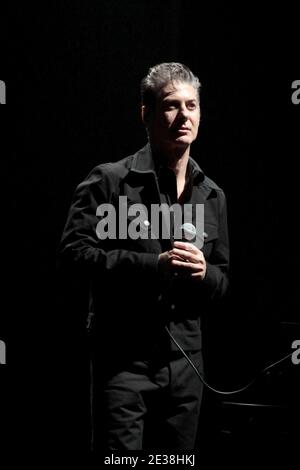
(178, 90)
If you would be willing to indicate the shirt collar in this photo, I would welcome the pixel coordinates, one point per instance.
(143, 162)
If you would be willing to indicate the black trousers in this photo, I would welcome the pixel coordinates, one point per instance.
(153, 404)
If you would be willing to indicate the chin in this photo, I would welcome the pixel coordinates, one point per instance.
(182, 142)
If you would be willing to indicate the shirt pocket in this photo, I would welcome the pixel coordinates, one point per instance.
(141, 236)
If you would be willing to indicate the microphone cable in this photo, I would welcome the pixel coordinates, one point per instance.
(191, 230)
(222, 392)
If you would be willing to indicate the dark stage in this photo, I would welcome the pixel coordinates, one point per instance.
(72, 72)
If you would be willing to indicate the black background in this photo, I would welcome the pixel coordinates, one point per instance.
(72, 71)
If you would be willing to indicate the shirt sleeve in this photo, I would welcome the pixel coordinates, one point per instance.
(217, 267)
(80, 246)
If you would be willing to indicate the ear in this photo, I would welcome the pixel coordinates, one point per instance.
(145, 114)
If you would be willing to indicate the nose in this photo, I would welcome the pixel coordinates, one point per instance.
(183, 112)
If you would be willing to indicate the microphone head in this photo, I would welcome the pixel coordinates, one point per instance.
(189, 232)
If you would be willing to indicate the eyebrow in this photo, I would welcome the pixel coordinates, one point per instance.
(169, 98)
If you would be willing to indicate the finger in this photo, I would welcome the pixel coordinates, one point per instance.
(188, 256)
(200, 274)
(187, 266)
(185, 246)
(185, 255)
(177, 257)
(186, 273)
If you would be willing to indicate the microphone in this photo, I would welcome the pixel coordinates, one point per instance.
(188, 232)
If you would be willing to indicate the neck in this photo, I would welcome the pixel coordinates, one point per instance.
(179, 166)
(177, 159)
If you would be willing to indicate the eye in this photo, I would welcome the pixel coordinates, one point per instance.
(169, 105)
(192, 105)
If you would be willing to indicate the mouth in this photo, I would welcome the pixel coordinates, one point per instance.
(183, 129)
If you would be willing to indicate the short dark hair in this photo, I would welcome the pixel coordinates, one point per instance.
(162, 74)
